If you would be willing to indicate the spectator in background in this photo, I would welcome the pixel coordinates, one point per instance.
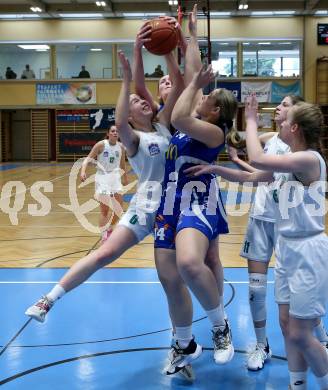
(10, 74)
(84, 74)
(158, 72)
(28, 73)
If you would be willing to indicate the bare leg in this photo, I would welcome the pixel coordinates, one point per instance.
(192, 268)
(177, 293)
(119, 241)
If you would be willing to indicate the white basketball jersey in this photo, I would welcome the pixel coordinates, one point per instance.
(110, 158)
(300, 210)
(148, 164)
(263, 207)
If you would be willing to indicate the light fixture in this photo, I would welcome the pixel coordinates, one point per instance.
(101, 3)
(321, 12)
(264, 43)
(215, 13)
(95, 49)
(36, 9)
(19, 16)
(141, 14)
(81, 16)
(173, 2)
(242, 5)
(34, 47)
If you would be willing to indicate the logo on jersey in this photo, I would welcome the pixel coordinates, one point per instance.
(105, 154)
(117, 154)
(133, 219)
(172, 152)
(153, 149)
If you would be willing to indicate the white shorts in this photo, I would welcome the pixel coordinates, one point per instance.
(301, 275)
(259, 241)
(108, 184)
(141, 225)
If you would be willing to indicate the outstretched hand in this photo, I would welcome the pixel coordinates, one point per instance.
(251, 107)
(198, 170)
(204, 76)
(192, 22)
(143, 35)
(126, 68)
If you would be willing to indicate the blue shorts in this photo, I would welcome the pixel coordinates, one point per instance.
(168, 226)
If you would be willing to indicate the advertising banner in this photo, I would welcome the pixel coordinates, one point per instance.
(261, 89)
(65, 93)
(78, 143)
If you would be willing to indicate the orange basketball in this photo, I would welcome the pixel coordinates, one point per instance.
(164, 37)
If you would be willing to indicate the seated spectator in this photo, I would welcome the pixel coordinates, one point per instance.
(10, 74)
(84, 74)
(158, 72)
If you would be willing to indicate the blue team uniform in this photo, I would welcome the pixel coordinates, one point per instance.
(189, 202)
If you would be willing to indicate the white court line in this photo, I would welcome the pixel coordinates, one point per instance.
(109, 282)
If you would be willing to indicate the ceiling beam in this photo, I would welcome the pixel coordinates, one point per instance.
(311, 4)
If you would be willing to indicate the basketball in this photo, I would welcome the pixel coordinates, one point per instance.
(164, 37)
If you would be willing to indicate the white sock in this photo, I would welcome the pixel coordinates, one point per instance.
(322, 381)
(216, 316)
(297, 380)
(56, 293)
(261, 335)
(222, 305)
(320, 332)
(183, 335)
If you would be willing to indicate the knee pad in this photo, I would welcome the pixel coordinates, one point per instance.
(257, 296)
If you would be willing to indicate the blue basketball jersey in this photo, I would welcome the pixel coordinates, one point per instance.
(189, 201)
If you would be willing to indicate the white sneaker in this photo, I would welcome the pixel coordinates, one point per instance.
(257, 357)
(222, 340)
(39, 310)
(186, 372)
(180, 358)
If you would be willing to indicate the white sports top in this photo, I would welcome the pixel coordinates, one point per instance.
(110, 158)
(148, 164)
(263, 207)
(300, 210)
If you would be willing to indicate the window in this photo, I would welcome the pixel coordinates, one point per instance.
(96, 58)
(271, 58)
(224, 58)
(16, 58)
(150, 61)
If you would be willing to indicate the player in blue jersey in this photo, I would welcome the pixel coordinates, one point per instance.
(191, 216)
(164, 88)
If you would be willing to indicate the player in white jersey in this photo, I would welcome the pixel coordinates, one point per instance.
(260, 241)
(110, 176)
(146, 142)
(301, 273)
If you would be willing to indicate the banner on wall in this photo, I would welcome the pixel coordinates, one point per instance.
(261, 89)
(72, 115)
(234, 87)
(101, 119)
(66, 93)
(279, 91)
(78, 143)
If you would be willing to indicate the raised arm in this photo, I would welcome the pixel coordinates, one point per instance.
(97, 149)
(193, 61)
(182, 119)
(300, 162)
(138, 67)
(128, 136)
(165, 115)
(123, 168)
